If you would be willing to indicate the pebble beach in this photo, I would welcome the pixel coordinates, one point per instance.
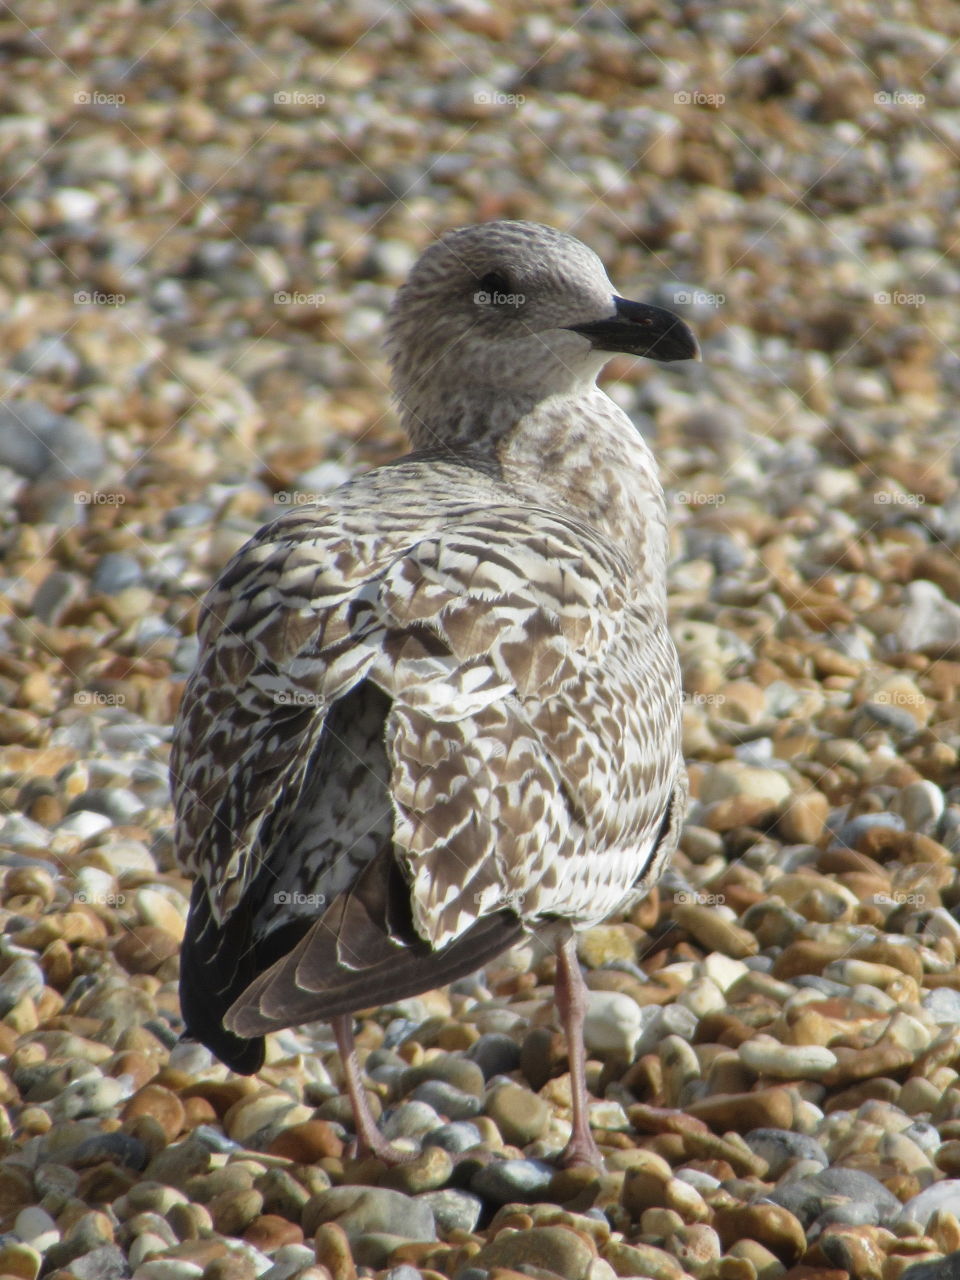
(205, 210)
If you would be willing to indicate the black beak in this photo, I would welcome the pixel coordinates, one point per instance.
(638, 329)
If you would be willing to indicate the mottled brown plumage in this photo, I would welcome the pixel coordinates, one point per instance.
(441, 709)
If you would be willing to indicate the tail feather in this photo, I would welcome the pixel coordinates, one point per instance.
(279, 998)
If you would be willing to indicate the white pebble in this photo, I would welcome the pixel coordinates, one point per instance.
(73, 204)
(941, 1195)
(613, 1023)
(787, 1061)
(144, 1247)
(83, 824)
(723, 970)
(701, 997)
(35, 1227)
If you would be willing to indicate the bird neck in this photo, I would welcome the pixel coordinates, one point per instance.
(583, 454)
(574, 451)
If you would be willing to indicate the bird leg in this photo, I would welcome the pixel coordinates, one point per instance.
(370, 1141)
(570, 992)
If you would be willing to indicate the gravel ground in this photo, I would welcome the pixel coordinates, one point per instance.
(206, 209)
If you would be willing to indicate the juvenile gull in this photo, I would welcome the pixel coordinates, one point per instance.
(440, 709)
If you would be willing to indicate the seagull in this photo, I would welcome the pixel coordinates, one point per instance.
(437, 710)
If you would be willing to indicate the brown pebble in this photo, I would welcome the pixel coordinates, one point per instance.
(554, 1249)
(221, 1094)
(269, 1231)
(198, 1111)
(233, 1211)
(708, 1146)
(804, 818)
(714, 932)
(333, 1251)
(882, 1089)
(19, 1261)
(145, 948)
(884, 1058)
(771, 1225)
(648, 1119)
(163, 1105)
(803, 956)
(897, 957)
(737, 811)
(307, 1142)
(230, 1266)
(858, 1250)
(104, 1183)
(46, 809)
(134, 1064)
(543, 1055)
(761, 1109)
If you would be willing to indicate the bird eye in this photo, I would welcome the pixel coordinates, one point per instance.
(493, 289)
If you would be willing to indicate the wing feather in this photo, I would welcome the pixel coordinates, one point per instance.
(530, 727)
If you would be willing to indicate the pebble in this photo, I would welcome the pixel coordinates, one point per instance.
(447, 1100)
(809, 1196)
(780, 1148)
(39, 444)
(768, 1057)
(453, 1210)
(929, 622)
(495, 1054)
(519, 1114)
(414, 1118)
(769, 1224)
(22, 977)
(454, 1138)
(37, 1228)
(613, 1023)
(503, 1181)
(943, 1195)
(366, 1210)
(555, 1250)
(760, 1109)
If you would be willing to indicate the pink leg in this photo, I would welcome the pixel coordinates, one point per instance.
(370, 1141)
(571, 996)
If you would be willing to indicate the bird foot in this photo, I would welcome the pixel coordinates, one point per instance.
(373, 1145)
(581, 1150)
